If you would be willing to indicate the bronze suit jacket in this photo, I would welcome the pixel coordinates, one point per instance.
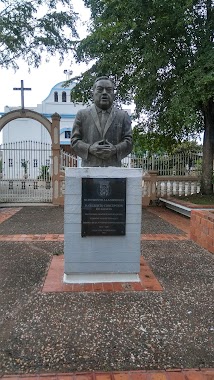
(87, 130)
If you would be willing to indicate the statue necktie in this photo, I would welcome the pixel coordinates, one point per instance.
(104, 118)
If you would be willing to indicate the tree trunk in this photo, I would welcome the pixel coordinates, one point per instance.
(208, 149)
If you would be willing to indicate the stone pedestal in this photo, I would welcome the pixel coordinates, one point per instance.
(102, 258)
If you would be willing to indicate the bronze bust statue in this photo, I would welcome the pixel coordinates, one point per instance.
(102, 133)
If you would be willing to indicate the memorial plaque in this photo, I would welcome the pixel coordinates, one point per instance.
(103, 206)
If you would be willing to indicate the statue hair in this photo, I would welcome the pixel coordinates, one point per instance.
(103, 78)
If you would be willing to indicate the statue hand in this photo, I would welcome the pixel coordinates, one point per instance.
(111, 147)
(102, 149)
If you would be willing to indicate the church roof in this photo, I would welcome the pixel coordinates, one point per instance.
(60, 88)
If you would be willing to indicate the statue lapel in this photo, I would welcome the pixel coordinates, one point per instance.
(96, 118)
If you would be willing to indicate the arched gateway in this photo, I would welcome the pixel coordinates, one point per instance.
(54, 130)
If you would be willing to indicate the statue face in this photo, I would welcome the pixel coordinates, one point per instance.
(104, 94)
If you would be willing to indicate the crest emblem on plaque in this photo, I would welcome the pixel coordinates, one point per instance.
(104, 189)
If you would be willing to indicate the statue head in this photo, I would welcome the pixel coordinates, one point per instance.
(103, 92)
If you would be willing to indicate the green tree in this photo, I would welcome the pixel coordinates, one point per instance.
(152, 142)
(31, 29)
(160, 54)
(44, 173)
(24, 165)
(187, 147)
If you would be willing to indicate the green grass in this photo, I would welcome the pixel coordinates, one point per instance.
(199, 199)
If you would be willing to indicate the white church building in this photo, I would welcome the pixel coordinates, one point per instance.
(58, 100)
(26, 144)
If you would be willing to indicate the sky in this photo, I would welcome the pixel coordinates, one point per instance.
(40, 80)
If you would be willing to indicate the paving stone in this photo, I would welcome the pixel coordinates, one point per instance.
(96, 333)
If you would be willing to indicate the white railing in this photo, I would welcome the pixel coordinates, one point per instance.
(169, 186)
(67, 160)
(154, 185)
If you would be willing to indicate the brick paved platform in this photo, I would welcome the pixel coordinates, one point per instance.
(176, 374)
(60, 237)
(54, 283)
(163, 237)
(30, 237)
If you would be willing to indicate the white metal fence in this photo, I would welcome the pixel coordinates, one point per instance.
(177, 164)
(25, 172)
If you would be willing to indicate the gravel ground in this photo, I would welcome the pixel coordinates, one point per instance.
(22, 270)
(120, 331)
(35, 220)
(45, 220)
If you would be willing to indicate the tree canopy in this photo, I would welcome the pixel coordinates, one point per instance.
(160, 54)
(153, 142)
(157, 143)
(32, 29)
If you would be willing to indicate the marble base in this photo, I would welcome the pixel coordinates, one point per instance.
(89, 278)
(103, 256)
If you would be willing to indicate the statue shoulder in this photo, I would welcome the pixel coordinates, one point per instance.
(82, 113)
(121, 113)
(85, 110)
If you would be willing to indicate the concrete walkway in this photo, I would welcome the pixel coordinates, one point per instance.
(161, 331)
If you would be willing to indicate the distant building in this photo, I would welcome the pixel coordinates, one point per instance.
(58, 100)
(26, 144)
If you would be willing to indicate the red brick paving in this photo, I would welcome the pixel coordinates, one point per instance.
(53, 283)
(163, 237)
(31, 237)
(178, 374)
(180, 221)
(60, 237)
(6, 213)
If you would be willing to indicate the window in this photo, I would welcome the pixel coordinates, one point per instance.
(10, 162)
(35, 163)
(56, 96)
(64, 97)
(67, 134)
(47, 162)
